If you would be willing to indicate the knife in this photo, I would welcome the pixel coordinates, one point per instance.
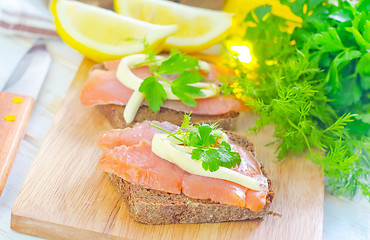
(16, 104)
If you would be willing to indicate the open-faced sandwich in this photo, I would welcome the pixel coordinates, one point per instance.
(189, 174)
(148, 87)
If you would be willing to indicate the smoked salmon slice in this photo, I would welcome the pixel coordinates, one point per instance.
(139, 165)
(132, 136)
(256, 200)
(129, 156)
(218, 190)
(102, 87)
(226, 192)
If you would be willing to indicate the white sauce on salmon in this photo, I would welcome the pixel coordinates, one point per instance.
(171, 150)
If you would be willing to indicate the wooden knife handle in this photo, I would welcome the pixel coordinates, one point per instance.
(15, 111)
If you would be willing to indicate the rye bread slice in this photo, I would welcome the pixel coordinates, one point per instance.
(156, 207)
(114, 113)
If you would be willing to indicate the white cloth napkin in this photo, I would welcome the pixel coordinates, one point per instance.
(28, 18)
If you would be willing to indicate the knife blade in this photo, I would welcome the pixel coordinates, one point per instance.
(17, 102)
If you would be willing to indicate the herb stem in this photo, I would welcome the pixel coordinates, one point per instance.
(304, 135)
(158, 76)
(166, 131)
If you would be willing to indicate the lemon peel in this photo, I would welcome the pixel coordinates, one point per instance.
(199, 28)
(104, 35)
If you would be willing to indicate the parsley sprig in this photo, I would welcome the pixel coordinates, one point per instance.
(316, 93)
(205, 140)
(187, 69)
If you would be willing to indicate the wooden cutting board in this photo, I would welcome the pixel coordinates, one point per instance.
(65, 197)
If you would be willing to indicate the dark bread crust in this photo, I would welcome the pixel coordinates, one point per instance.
(155, 207)
(114, 113)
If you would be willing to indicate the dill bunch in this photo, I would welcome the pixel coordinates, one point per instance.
(313, 86)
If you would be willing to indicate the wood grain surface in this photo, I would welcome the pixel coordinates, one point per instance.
(65, 197)
(15, 111)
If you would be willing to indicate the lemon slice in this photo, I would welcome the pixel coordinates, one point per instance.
(199, 28)
(103, 35)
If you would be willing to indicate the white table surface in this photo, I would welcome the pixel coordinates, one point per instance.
(343, 219)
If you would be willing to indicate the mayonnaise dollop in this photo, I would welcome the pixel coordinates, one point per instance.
(130, 80)
(171, 150)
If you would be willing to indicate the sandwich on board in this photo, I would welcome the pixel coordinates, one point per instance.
(166, 169)
(139, 88)
(189, 174)
(217, 178)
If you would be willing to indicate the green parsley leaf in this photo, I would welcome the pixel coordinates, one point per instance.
(228, 158)
(359, 38)
(211, 160)
(312, 88)
(365, 83)
(207, 139)
(193, 140)
(178, 63)
(333, 79)
(366, 32)
(204, 138)
(363, 65)
(186, 93)
(329, 41)
(197, 154)
(348, 55)
(311, 4)
(341, 15)
(154, 93)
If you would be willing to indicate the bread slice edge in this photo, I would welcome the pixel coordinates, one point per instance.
(114, 113)
(155, 207)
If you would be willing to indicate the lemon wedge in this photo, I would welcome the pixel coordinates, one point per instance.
(103, 35)
(199, 28)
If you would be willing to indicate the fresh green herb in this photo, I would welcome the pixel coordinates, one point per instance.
(154, 93)
(150, 60)
(187, 69)
(205, 140)
(181, 88)
(225, 87)
(314, 86)
(178, 63)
